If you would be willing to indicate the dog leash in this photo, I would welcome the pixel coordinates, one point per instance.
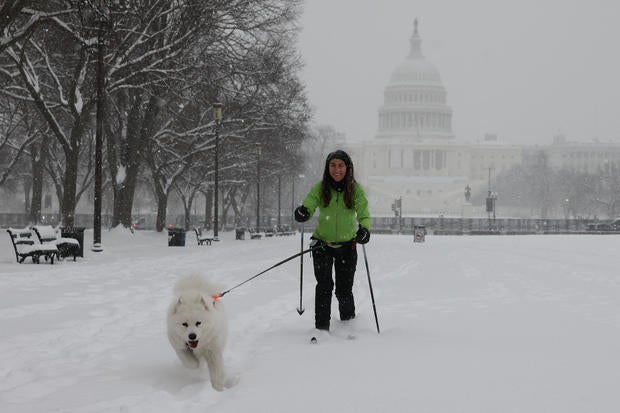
(222, 294)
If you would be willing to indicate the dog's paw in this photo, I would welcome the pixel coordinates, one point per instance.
(231, 381)
(223, 382)
(217, 385)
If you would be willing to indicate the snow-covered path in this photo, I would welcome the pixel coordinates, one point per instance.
(468, 324)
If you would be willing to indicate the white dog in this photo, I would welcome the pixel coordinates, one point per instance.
(197, 328)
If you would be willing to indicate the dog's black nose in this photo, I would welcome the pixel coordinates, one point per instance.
(192, 336)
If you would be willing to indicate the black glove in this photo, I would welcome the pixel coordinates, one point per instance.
(316, 244)
(302, 214)
(362, 236)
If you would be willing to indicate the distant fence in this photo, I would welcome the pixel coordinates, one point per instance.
(479, 226)
(143, 221)
(385, 225)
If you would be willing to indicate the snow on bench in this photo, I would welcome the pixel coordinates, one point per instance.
(48, 235)
(202, 240)
(24, 246)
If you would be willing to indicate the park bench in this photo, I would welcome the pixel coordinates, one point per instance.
(284, 230)
(254, 234)
(66, 246)
(24, 246)
(284, 233)
(202, 240)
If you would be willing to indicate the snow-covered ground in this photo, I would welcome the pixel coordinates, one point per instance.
(468, 324)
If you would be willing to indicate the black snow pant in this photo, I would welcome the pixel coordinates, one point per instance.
(344, 260)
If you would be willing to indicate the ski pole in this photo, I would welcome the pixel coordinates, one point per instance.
(372, 295)
(301, 309)
(222, 294)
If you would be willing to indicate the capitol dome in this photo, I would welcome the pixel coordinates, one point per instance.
(415, 71)
(415, 100)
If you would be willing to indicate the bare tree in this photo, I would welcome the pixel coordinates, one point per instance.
(245, 60)
(51, 68)
(20, 18)
(166, 63)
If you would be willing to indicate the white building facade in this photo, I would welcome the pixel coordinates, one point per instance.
(414, 155)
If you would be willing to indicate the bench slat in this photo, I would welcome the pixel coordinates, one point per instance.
(25, 247)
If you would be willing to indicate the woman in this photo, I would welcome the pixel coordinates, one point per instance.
(343, 221)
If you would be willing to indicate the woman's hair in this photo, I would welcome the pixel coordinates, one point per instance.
(348, 181)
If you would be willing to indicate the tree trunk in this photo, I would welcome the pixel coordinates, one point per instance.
(124, 202)
(27, 187)
(129, 157)
(69, 184)
(208, 209)
(187, 207)
(37, 185)
(38, 170)
(162, 204)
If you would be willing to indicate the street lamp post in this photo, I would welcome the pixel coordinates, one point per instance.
(97, 247)
(279, 202)
(490, 204)
(217, 117)
(400, 215)
(258, 153)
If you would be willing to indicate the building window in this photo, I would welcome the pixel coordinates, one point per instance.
(407, 159)
(396, 159)
(439, 157)
(426, 160)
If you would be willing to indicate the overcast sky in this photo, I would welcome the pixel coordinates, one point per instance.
(525, 70)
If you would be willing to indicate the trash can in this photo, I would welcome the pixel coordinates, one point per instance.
(176, 237)
(240, 233)
(419, 233)
(75, 233)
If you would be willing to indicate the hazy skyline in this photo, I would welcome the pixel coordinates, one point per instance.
(523, 70)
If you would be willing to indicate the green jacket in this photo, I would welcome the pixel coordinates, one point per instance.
(337, 223)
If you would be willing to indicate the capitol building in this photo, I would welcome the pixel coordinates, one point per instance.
(414, 155)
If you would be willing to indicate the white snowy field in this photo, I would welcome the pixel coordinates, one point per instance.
(468, 324)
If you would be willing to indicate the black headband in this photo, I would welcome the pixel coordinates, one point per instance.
(340, 154)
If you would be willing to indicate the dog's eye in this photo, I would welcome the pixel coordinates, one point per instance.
(185, 325)
(198, 323)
